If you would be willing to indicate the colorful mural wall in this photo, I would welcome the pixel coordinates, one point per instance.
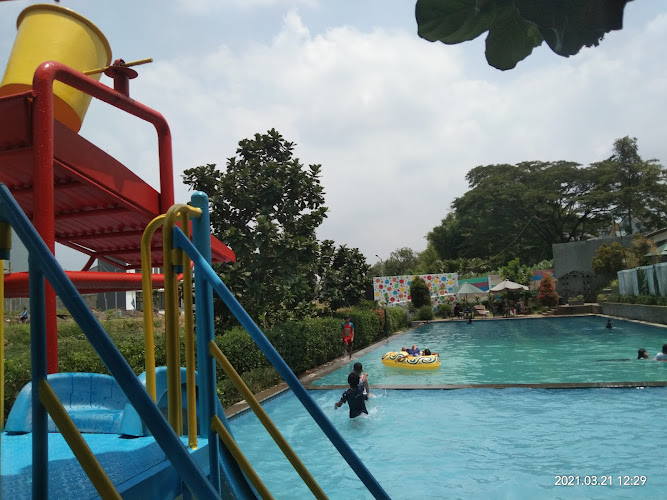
(389, 290)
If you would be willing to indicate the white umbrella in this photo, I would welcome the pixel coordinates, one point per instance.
(507, 285)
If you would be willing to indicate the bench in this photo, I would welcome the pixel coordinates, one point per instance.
(481, 311)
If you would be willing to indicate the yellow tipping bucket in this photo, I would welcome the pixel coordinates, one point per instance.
(53, 33)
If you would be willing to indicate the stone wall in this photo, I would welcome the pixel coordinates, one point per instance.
(651, 314)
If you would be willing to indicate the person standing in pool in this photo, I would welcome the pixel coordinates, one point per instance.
(354, 397)
(609, 324)
(662, 356)
(363, 378)
(347, 336)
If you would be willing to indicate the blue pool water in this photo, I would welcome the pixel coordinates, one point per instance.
(544, 350)
(472, 443)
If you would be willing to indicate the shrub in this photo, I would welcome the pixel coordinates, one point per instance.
(425, 313)
(547, 295)
(396, 319)
(444, 310)
(420, 293)
(608, 259)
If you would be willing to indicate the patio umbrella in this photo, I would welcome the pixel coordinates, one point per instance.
(507, 285)
(467, 288)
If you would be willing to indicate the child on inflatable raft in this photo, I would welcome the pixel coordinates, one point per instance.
(412, 358)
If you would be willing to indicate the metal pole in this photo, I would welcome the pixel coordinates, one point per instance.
(381, 264)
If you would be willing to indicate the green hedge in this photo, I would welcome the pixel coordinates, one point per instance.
(648, 300)
(303, 345)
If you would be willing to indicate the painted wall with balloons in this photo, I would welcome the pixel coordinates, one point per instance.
(388, 290)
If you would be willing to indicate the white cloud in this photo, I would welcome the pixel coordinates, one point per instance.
(208, 6)
(395, 121)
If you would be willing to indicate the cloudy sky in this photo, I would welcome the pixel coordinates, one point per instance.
(395, 121)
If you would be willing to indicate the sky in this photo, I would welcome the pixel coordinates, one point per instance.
(395, 121)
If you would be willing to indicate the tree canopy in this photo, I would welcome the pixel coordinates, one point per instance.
(522, 210)
(515, 27)
(343, 275)
(266, 206)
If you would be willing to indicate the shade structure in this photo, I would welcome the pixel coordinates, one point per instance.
(467, 288)
(507, 285)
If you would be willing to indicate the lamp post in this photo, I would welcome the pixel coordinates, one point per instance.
(381, 264)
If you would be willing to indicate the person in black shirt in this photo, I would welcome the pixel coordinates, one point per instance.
(354, 397)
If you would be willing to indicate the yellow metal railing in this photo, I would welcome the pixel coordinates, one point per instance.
(75, 440)
(147, 290)
(266, 421)
(251, 474)
(172, 258)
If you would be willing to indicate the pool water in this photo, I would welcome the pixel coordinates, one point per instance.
(522, 351)
(471, 443)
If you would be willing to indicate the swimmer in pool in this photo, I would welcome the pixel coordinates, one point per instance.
(641, 354)
(662, 355)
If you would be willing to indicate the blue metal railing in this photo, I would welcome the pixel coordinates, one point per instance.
(42, 264)
(207, 279)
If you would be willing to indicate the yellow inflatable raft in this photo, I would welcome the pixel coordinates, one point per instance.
(404, 360)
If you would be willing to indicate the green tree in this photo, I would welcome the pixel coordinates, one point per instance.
(522, 210)
(547, 295)
(343, 275)
(266, 206)
(635, 187)
(420, 295)
(401, 262)
(642, 252)
(514, 271)
(429, 261)
(609, 259)
(446, 238)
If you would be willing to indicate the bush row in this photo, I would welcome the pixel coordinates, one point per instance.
(302, 344)
(647, 300)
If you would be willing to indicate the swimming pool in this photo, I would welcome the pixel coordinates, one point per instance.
(473, 443)
(522, 351)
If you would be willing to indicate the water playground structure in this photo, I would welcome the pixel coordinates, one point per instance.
(162, 434)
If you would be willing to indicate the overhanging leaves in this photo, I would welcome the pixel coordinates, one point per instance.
(566, 25)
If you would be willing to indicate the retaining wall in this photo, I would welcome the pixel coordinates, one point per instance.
(651, 314)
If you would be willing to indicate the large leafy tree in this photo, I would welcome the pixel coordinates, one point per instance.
(517, 26)
(343, 275)
(401, 261)
(266, 206)
(446, 238)
(521, 210)
(636, 187)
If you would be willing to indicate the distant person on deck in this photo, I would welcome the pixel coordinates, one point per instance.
(23, 317)
(354, 397)
(662, 356)
(347, 336)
